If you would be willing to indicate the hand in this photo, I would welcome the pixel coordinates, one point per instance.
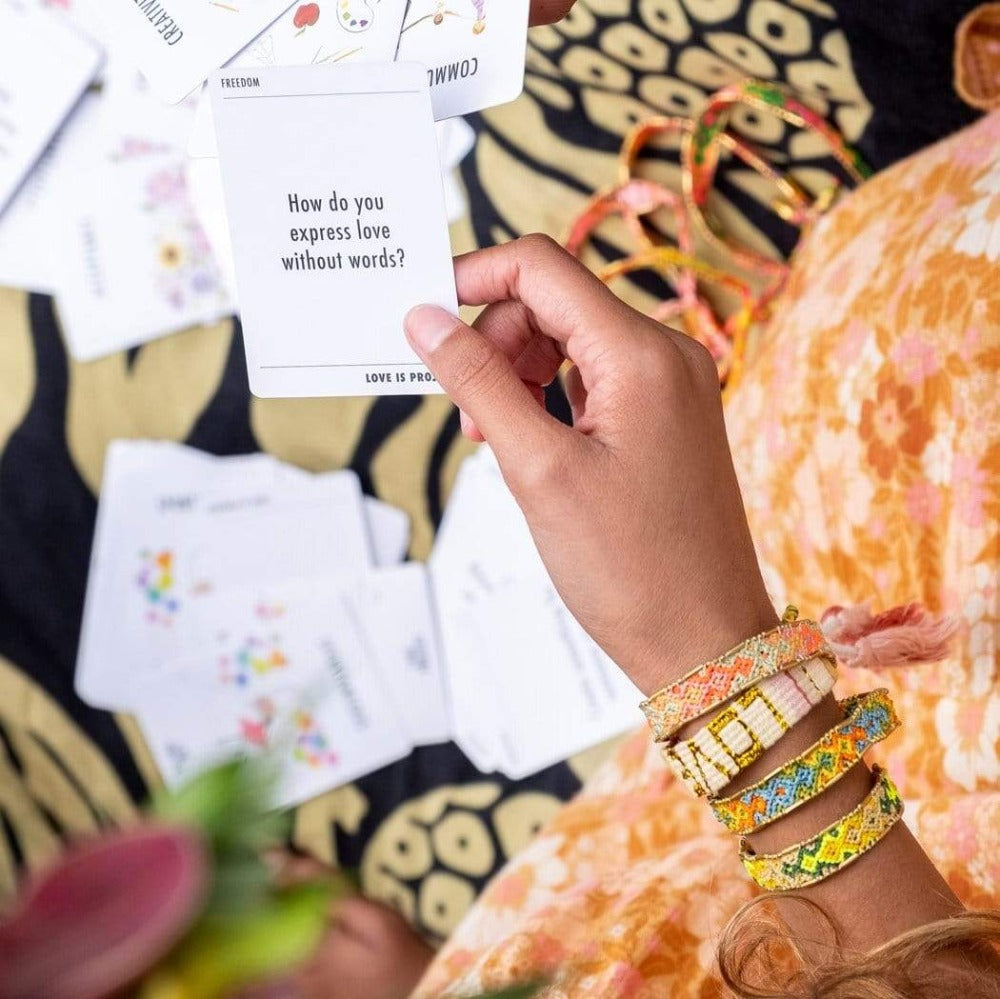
(548, 11)
(635, 509)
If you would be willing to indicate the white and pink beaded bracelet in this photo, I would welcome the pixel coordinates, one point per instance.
(750, 724)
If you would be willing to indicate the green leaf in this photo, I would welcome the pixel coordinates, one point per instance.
(223, 953)
(230, 803)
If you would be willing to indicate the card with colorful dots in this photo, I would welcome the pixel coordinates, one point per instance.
(282, 670)
(176, 527)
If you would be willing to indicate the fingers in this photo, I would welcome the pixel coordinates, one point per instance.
(565, 301)
(473, 432)
(536, 357)
(482, 382)
(547, 11)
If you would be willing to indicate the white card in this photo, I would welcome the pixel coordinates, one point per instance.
(312, 35)
(333, 241)
(136, 263)
(473, 50)
(522, 697)
(44, 68)
(397, 619)
(389, 529)
(283, 670)
(177, 43)
(26, 247)
(175, 527)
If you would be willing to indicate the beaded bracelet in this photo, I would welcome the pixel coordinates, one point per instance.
(834, 848)
(748, 726)
(869, 718)
(715, 682)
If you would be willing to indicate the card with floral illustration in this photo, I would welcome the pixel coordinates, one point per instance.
(174, 528)
(283, 671)
(136, 263)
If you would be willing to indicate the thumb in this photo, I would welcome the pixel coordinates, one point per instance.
(482, 382)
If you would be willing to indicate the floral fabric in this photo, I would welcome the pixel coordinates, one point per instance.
(866, 434)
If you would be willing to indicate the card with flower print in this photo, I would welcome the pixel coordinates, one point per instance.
(136, 263)
(283, 671)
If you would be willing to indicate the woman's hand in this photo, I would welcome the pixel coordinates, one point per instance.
(635, 509)
(547, 11)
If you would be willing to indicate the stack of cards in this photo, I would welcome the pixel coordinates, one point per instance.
(527, 686)
(242, 606)
(239, 604)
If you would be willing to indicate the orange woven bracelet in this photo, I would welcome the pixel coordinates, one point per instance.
(712, 684)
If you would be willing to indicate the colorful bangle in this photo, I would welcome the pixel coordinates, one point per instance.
(748, 726)
(715, 682)
(868, 719)
(834, 848)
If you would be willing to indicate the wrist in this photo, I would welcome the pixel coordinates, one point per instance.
(699, 636)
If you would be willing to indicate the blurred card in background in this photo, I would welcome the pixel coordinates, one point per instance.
(136, 263)
(278, 668)
(528, 687)
(473, 50)
(44, 68)
(175, 526)
(178, 43)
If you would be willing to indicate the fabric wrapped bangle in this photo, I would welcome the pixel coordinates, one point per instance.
(834, 848)
(869, 718)
(740, 734)
(715, 682)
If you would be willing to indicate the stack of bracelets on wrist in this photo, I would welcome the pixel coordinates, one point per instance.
(756, 693)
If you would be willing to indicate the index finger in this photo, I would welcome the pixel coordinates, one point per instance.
(566, 301)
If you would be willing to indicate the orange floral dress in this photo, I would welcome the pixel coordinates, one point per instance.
(866, 433)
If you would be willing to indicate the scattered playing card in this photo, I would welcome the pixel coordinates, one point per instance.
(473, 50)
(177, 44)
(333, 243)
(527, 686)
(44, 68)
(174, 528)
(285, 670)
(396, 616)
(136, 263)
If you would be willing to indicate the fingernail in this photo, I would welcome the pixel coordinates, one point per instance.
(428, 326)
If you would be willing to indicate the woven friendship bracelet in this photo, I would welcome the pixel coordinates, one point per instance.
(834, 848)
(868, 719)
(748, 726)
(715, 682)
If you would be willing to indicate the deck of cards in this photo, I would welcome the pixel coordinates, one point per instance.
(308, 183)
(240, 606)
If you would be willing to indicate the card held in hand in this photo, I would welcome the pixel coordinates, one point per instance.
(338, 224)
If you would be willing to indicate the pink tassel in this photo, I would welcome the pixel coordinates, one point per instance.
(896, 637)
